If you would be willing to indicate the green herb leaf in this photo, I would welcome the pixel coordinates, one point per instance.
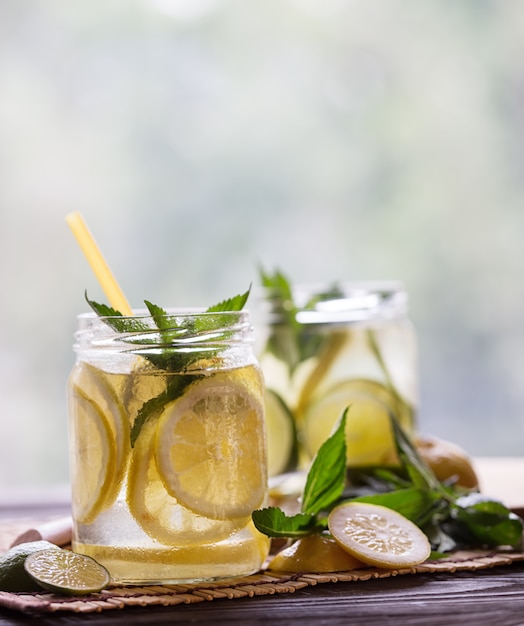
(236, 303)
(420, 474)
(273, 522)
(327, 475)
(413, 503)
(168, 330)
(487, 521)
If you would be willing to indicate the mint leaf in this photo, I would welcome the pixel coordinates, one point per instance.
(324, 485)
(116, 320)
(273, 522)
(236, 303)
(157, 313)
(487, 521)
(169, 330)
(420, 474)
(327, 475)
(290, 341)
(413, 503)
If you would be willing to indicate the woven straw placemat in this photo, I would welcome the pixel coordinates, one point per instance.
(260, 584)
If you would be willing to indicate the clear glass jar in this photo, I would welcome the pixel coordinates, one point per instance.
(167, 446)
(327, 348)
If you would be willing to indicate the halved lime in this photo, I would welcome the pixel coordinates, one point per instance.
(369, 437)
(282, 446)
(13, 576)
(63, 571)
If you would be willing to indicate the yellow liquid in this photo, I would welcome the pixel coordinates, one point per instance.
(346, 371)
(127, 500)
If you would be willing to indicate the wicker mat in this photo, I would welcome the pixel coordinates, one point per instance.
(260, 584)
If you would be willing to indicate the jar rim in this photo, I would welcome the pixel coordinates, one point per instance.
(339, 302)
(143, 329)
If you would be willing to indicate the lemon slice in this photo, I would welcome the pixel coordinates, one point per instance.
(378, 535)
(209, 451)
(282, 449)
(100, 438)
(66, 572)
(93, 462)
(157, 512)
(316, 554)
(369, 438)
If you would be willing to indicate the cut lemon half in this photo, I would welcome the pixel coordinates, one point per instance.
(157, 512)
(63, 571)
(282, 448)
(101, 442)
(315, 554)
(378, 535)
(210, 448)
(369, 438)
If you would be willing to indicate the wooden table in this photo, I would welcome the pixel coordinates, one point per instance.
(491, 597)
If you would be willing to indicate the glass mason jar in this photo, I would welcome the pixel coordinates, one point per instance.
(167, 446)
(325, 349)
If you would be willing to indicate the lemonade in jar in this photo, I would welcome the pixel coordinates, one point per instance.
(327, 348)
(167, 444)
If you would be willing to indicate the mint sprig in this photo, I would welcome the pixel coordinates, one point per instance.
(290, 341)
(324, 486)
(168, 329)
(450, 516)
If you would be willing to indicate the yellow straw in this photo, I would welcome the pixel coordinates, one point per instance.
(98, 264)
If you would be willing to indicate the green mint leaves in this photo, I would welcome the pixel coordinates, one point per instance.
(324, 486)
(327, 476)
(167, 329)
(451, 517)
(290, 341)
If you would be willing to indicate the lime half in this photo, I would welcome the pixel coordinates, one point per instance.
(13, 576)
(63, 571)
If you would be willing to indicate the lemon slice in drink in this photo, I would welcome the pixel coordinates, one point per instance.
(208, 450)
(281, 435)
(378, 535)
(93, 462)
(314, 553)
(369, 438)
(101, 435)
(157, 512)
(63, 571)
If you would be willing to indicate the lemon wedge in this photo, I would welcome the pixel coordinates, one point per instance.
(377, 535)
(208, 451)
(315, 554)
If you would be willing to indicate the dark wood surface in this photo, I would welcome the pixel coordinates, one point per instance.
(484, 598)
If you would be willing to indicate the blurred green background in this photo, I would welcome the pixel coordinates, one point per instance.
(334, 139)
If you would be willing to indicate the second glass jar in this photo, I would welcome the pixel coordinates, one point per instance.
(327, 348)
